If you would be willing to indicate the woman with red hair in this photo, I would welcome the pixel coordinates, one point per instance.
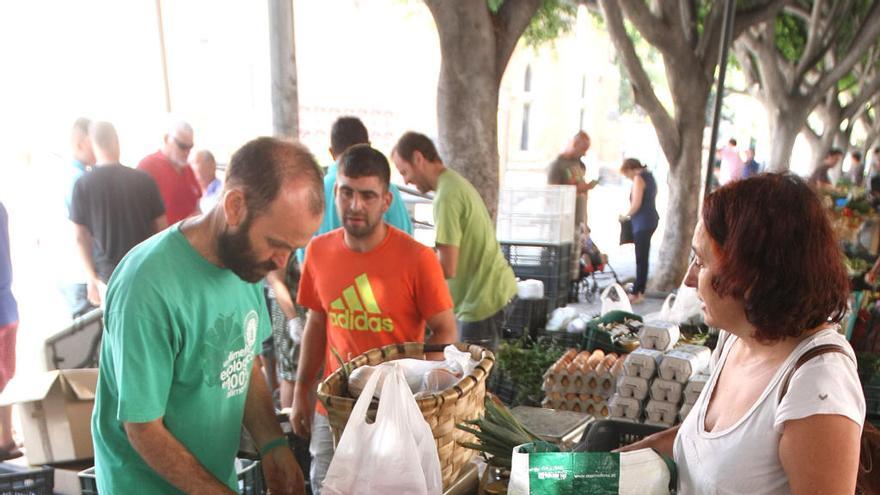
(769, 273)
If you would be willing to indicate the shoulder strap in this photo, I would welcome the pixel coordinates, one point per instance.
(815, 351)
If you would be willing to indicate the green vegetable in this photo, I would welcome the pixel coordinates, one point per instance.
(497, 432)
(523, 362)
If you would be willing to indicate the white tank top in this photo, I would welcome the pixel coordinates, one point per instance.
(744, 458)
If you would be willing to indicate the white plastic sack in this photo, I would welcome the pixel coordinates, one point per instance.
(615, 298)
(685, 308)
(394, 455)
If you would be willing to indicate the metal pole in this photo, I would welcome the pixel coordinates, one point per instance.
(726, 38)
(162, 56)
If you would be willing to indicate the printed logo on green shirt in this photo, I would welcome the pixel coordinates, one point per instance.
(230, 346)
(357, 309)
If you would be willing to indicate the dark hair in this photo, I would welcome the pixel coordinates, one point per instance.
(834, 152)
(777, 252)
(411, 142)
(347, 132)
(363, 161)
(732, 141)
(857, 155)
(631, 164)
(263, 165)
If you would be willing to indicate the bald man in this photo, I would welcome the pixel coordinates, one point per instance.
(169, 168)
(568, 169)
(113, 209)
(205, 167)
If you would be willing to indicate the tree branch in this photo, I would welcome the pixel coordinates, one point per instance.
(643, 92)
(711, 30)
(866, 36)
(655, 30)
(688, 21)
(814, 54)
(511, 20)
(866, 92)
(768, 64)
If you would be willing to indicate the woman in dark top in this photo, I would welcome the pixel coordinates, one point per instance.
(643, 213)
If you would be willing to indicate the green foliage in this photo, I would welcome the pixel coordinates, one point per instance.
(553, 19)
(524, 362)
(791, 36)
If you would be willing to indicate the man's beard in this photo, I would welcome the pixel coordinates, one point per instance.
(362, 230)
(236, 253)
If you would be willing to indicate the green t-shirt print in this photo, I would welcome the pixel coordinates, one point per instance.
(180, 340)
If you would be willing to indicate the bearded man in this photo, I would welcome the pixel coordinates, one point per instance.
(183, 322)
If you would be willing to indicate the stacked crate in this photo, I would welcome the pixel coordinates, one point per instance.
(536, 230)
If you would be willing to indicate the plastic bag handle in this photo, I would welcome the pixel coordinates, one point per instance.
(363, 403)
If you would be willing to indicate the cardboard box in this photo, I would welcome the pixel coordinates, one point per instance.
(55, 411)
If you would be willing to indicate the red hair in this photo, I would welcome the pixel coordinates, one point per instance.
(777, 253)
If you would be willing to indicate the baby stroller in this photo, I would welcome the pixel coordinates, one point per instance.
(595, 271)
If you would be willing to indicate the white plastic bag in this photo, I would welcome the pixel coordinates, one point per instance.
(685, 309)
(394, 455)
(615, 298)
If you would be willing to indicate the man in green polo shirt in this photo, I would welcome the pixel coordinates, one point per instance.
(184, 320)
(480, 280)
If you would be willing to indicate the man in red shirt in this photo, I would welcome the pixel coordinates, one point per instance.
(366, 285)
(168, 167)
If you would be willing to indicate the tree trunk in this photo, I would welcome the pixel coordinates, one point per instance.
(476, 46)
(681, 211)
(282, 47)
(784, 129)
(467, 109)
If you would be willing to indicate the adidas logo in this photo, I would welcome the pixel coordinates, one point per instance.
(357, 309)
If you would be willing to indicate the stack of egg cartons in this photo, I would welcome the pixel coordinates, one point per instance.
(582, 382)
(652, 386)
(692, 392)
(677, 368)
(639, 369)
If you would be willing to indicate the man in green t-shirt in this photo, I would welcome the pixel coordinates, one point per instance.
(184, 319)
(480, 280)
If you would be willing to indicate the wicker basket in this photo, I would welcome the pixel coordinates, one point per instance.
(442, 410)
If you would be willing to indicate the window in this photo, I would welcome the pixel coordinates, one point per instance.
(524, 136)
(527, 79)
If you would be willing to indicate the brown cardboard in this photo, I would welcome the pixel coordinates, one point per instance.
(56, 410)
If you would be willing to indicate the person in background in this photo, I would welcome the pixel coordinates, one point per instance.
(184, 321)
(856, 168)
(8, 330)
(643, 214)
(480, 280)
(205, 168)
(168, 167)
(763, 424)
(114, 208)
(751, 167)
(821, 178)
(72, 277)
(568, 169)
(731, 164)
(367, 285)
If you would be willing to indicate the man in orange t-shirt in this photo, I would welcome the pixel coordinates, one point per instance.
(366, 285)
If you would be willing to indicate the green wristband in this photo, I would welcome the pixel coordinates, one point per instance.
(273, 444)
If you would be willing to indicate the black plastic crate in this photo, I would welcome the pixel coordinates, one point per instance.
(607, 435)
(502, 386)
(564, 339)
(537, 259)
(528, 317)
(15, 480)
(872, 399)
(556, 289)
(250, 480)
